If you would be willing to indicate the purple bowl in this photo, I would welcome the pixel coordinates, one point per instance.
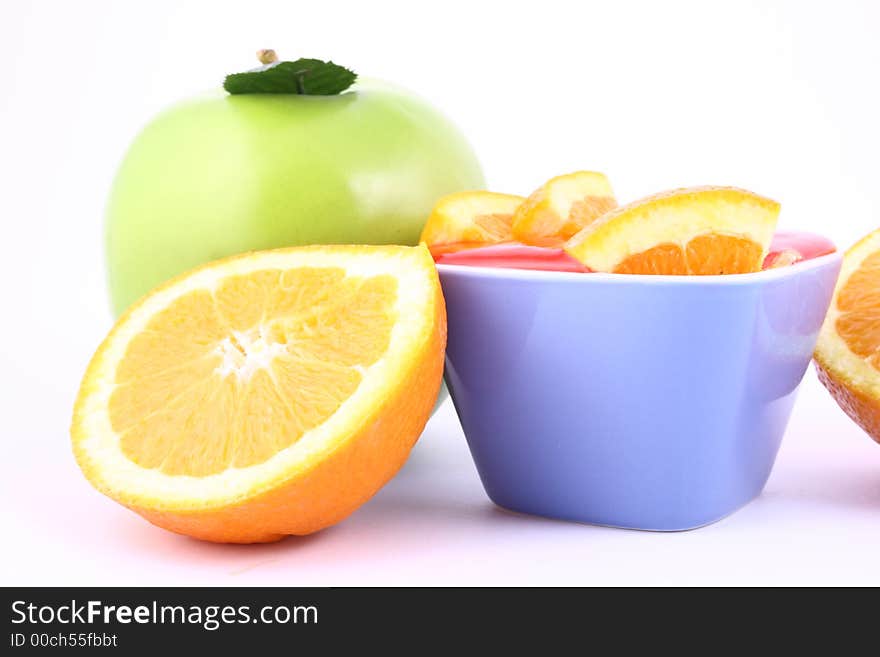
(646, 402)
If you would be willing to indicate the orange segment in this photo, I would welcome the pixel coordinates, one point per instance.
(848, 350)
(697, 231)
(703, 255)
(561, 207)
(267, 394)
(479, 217)
(660, 259)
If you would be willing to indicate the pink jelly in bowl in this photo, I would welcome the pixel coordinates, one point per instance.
(786, 248)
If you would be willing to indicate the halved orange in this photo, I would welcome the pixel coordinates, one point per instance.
(476, 218)
(848, 351)
(695, 231)
(561, 207)
(267, 394)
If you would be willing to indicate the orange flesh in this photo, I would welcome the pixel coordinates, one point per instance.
(585, 212)
(536, 228)
(245, 379)
(859, 304)
(496, 227)
(704, 255)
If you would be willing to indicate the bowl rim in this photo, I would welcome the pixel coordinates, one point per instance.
(765, 275)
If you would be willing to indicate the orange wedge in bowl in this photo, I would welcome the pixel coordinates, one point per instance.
(848, 351)
(267, 394)
(470, 219)
(694, 231)
(561, 207)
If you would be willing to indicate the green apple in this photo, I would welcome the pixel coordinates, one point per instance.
(222, 174)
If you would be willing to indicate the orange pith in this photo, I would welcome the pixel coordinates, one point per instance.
(244, 402)
(848, 350)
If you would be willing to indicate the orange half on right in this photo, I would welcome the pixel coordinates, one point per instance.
(848, 351)
(695, 231)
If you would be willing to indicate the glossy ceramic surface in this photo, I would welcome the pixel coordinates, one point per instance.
(648, 402)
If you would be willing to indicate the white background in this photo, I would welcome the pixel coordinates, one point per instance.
(778, 97)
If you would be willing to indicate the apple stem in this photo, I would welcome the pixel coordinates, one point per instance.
(267, 56)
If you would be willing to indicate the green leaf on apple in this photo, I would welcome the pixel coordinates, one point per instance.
(310, 77)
